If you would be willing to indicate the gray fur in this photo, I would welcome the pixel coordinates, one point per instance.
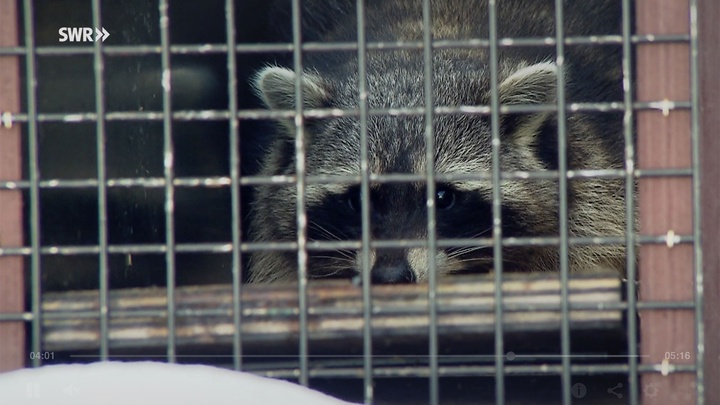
(396, 144)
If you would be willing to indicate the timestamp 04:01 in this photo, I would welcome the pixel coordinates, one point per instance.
(42, 355)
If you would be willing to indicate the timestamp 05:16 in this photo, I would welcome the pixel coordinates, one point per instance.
(678, 355)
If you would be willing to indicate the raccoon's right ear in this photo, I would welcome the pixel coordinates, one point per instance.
(534, 84)
(276, 87)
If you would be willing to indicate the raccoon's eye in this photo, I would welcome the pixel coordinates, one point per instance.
(352, 199)
(444, 197)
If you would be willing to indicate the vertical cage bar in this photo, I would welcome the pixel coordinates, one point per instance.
(300, 195)
(365, 204)
(169, 173)
(566, 378)
(12, 283)
(707, 275)
(99, 66)
(697, 209)
(496, 204)
(34, 172)
(234, 182)
(665, 204)
(630, 263)
(430, 190)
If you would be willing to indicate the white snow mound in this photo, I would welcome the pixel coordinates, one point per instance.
(150, 383)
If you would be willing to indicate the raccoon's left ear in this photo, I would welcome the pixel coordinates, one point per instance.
(276, 87)
(535, 84)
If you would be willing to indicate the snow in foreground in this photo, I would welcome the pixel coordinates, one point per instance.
(149, 383)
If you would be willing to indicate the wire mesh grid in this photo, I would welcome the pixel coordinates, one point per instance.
(169, 182)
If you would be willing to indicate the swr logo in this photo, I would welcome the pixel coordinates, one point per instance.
(82, 34)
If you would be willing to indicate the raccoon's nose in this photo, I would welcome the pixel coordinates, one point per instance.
(392, 272)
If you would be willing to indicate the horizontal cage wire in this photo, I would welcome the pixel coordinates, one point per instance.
(148, 163)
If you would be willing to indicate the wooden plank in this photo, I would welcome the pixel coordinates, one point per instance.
(12, 334)
(270, 319)
(709, 61)
(665, 272)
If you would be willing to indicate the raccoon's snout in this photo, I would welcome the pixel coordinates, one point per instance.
(392, 269)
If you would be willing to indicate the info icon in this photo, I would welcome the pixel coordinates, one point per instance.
(578, 390)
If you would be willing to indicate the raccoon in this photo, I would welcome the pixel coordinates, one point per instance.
(460, 77)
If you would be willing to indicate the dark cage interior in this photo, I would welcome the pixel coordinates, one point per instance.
(164, 189)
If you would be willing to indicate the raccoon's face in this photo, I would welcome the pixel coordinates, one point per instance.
(396, 144)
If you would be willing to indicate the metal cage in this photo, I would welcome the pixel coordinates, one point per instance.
(68, 208)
